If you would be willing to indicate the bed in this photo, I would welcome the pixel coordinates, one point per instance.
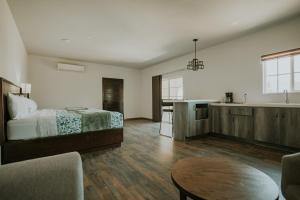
(49, 132)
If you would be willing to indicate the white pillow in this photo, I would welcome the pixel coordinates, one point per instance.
(31, 105)
(19, 107)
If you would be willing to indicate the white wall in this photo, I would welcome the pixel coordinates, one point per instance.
(58, 89)
(13, 55)
(232, 66)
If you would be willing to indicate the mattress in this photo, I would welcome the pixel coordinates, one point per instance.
(22, 129)
(49, 122)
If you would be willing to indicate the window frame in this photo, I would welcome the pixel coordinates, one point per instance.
(169, 88)
(291, 54)
(293, 71)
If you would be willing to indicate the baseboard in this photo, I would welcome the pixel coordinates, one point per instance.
(137, 118)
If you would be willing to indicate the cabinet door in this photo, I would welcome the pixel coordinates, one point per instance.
(243, 126)
(242, 122)
(214, 118)
(226, 121)
(290, 127)
(220, 121)
(180, 121)
(267, 125)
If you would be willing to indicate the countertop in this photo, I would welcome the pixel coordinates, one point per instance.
(216, 103)
(192, 101)
(274, 105)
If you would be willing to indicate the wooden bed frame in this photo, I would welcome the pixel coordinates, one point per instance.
(17, 150)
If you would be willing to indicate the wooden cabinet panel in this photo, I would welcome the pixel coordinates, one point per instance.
(243, 111)
(214, 119)
(278, 126)
(243, 126)
(267, 125)
(290, 127)
(242, 122)
(220, 120)
(181, 121)
(202, 126)
(226, 121)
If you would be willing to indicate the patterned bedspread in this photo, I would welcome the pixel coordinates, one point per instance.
(69, 122)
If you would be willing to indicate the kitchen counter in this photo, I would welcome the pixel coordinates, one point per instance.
(271, 123)
(273, 105)
(199, 101)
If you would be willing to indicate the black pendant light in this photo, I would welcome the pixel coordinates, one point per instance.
(195, 64)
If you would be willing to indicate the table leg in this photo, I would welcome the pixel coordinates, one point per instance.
(182, 196)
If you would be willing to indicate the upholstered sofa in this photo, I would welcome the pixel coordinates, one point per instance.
(52, 178)
(290, 181)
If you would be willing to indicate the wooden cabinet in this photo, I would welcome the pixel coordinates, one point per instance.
(226, 121)
(273, 125)
(190, 119)
(290, 127)
(214, 119)
(220, 120)
(242, 122)
(278, 126)
(233, 121)
(267, 125)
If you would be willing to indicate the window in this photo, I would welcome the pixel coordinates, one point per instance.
(172, 88)
(281, 71)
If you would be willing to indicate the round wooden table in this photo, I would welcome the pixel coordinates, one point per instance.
(220, 178)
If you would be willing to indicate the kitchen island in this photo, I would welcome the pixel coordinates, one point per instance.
(190, 118)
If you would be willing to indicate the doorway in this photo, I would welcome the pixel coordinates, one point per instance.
(112, 94)
(156, 98)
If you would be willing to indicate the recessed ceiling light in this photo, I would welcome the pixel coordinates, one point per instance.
(66, 40)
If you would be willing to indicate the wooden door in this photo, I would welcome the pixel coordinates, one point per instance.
(112, 94)
(267, 125)
(156, 98)
(290, 127)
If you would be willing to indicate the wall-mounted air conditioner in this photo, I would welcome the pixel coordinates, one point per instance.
(70, 67)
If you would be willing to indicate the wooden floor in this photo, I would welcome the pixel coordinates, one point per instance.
(140, 168)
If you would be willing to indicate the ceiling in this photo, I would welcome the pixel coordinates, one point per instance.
(139, 33)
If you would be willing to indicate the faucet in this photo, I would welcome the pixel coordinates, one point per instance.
(245, 97)
(286, 93)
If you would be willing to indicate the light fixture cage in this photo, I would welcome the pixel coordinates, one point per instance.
(195, 64)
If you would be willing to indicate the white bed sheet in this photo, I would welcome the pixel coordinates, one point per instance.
(21, 129)
(42, 123)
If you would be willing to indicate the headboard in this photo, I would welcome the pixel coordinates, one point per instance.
(5, 88)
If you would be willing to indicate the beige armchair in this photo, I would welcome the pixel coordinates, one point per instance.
(290, 181)
(52, 178)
